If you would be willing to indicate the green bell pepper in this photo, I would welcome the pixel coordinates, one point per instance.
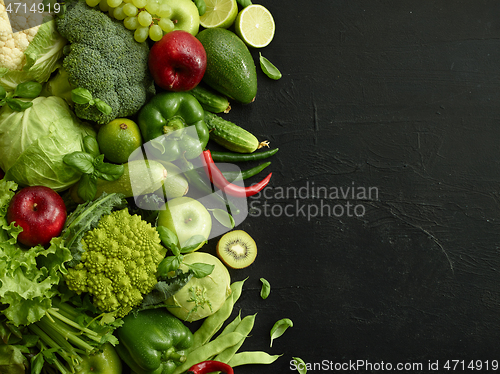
(153, 341)
(173, 124)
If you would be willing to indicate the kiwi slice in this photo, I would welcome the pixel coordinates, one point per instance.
(237, 249)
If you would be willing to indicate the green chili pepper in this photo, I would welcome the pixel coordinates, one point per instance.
(172, 125)
(241, 157)
(153, 341)
(232, 176)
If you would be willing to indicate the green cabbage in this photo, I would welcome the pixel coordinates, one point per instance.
(34, 142)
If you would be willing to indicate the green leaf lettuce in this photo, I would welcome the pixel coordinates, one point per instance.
(29, 276)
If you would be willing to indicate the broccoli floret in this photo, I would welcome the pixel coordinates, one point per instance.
(104, 58)
(119, 263)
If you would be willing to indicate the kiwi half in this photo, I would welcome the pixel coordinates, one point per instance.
(237, 249)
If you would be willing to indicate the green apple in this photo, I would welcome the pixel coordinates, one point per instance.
(106, 362)
(186, 217)
(185, 15)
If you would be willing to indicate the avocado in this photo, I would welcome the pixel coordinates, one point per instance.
(230, 66)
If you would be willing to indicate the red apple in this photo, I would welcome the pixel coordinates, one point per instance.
(178, 61)
(40, 211)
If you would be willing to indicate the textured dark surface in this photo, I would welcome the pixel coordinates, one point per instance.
(401, 96)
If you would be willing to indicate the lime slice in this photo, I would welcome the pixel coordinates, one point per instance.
(255, 26)
(219, 13)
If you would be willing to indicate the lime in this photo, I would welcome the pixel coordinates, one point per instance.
(219, 13)
(255, 26)
(118, 139)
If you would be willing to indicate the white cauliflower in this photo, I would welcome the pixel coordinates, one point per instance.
(13, 45)
(31, 54)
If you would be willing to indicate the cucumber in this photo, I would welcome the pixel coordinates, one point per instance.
(210, 100)
(139, 177)
(231, 136)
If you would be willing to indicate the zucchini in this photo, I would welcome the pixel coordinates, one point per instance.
(210, 100)
(231, 136)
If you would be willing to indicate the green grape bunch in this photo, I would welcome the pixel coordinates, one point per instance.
(147, 18)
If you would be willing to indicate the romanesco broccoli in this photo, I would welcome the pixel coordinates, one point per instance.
(105, 59)
(119, 263)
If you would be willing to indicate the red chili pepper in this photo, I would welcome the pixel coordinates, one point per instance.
(218, 179)
(209, 366)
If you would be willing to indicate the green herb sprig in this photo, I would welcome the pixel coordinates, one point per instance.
(83, 96)
(25, 90)
(171, 263)
(92, 166)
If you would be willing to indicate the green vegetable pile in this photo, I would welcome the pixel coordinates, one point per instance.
(116, 286)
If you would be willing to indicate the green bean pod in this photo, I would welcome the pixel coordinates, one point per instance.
(252, 357)
(230, 327)
(245, 327)
(209, 350)
(232, 176)
(236, 289)
(213, 323)
(223, 156)
(202, 7)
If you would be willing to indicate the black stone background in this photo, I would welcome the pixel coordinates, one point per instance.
(402, 96)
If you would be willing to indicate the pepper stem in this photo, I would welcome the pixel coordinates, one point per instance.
(171, 354)
(174, 124)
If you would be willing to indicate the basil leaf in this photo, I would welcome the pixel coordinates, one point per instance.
(167, 265)
(102, 106)
(28, 90)
(168, 238)
(87, 188)
(268, 68)
(200, 269)
(266, 288)
(300, 365)
(279, 328)
(81, 161)
(18, 105)
(109, 172)
(81, 96)
(223, 217)
(192, 243)
(91, 146)
(3, 93)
